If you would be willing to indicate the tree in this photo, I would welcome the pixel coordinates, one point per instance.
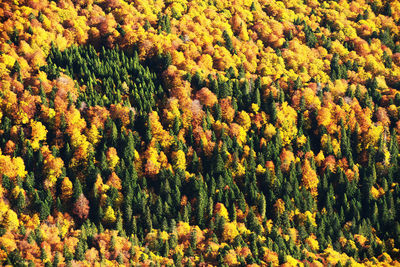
(66, 189)
(228, 42)
(77, 189)
(79, 250)
(44, 210)
(81, 207)
(20, 202)
(112, 158)
(253, 223)
(262, 206)
(109, 215)
(230, 232)
(207, 97)
(310, 178)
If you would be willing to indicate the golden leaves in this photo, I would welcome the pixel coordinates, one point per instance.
(310, 178)
(112, 157)
(66, 189)
(287, 121)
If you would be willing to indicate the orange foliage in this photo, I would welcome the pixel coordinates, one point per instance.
(10, 147)
(287, 157)
(271, 256)
(114, 181)
(121, 112)
(206, 97)
(112, 157)
(227, 111)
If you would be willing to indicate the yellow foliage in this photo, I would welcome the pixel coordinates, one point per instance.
(335, 146)
(230, 231)
(334, 257)
(183, 229)
(325, 118)
(269, 225)
(373, 135)
(339, 88)
(279, 206)
(350, 32)
(7, 60)
(39, 133)
(8, 241)
(158, 131)
(240, 171)
(12, 167)
(381, 82)
(244, 120)
(112, 158)
(376, 193)
(239, 132)
(319, 159)
(196, 44)
(311, 217)
(221, 211)
(293, 262)
(301, 140)
(152, 165)
(109, 215)
(231, 258)
(180, 160)
(260, 169)
(10, 220)
(93, 135)
(66, 189)
(15, 192)
(255, 108)
(287, 123)
(269, 131)
(313, 242)
(310, 178)
(164, 235)
(19, 167)
(386, 159)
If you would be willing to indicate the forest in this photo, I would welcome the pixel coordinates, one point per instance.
(199, 133)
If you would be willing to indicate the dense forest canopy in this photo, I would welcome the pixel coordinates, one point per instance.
(210, 133)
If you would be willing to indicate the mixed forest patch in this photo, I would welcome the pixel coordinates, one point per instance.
(185, 133)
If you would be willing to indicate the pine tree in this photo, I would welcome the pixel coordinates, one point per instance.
(79, 251)
(77, 189)
(253, 223)
(56, 259)
(257, 97)
(219, 164)
(262, 206)
(228, 41)
(20, 202)
(147, 220)
(44, 210)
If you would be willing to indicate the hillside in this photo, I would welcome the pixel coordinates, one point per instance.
(199, 133)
